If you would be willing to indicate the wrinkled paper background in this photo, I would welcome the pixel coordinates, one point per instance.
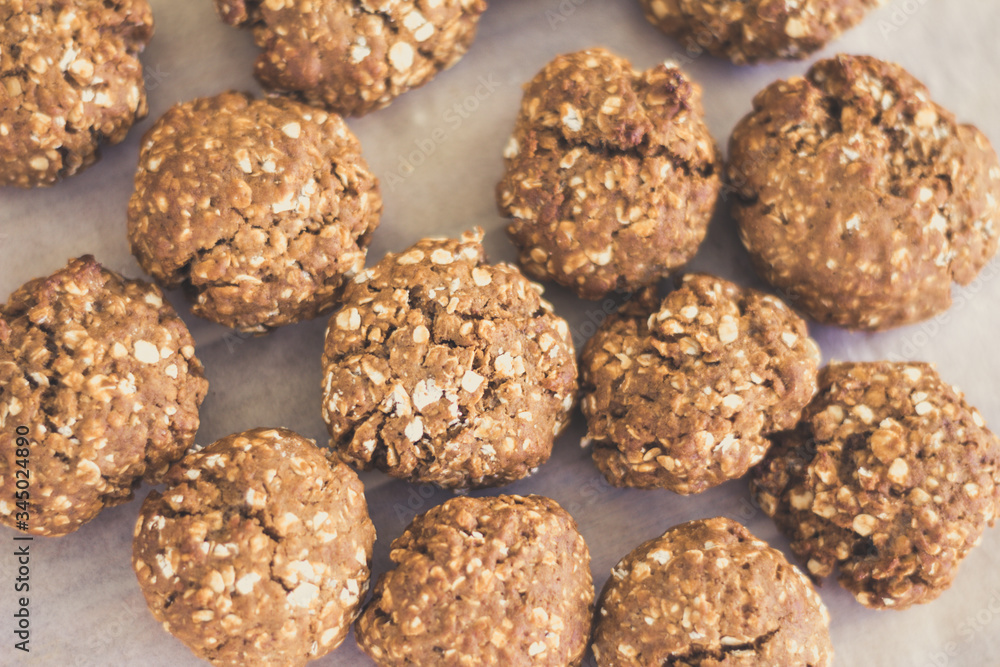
(437, 151)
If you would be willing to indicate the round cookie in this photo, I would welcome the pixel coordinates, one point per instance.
(611, 174)
(709, 593)
(749, 31)
(258, 551)
(70, 78)
(442, 368)
(890, 476)
(860, 198)
(350, 56)
(483, 581)
(682, 394)
(99, 390)
(261, 209)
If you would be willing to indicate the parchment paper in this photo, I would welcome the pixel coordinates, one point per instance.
(437, 151)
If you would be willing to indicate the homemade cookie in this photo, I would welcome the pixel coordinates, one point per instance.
(258, 551)
(261, 209)
(354, 56)
(99, 389)
(611, 174)
(890, 476)
(442, 368)
(70, 78)
(861, 199)
(709, 593)
(748, 31)
(682, 393)
(483, 581)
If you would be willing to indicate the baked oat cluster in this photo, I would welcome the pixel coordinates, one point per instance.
(257, 552)
(483, 581)
(859, 197)
(890, 477)
(682, 394)
(709, 593)
(100, 375)
(261, 209)
(611, 174)
(442, 368)
(354, 56)
(748, 31)
(70, 78)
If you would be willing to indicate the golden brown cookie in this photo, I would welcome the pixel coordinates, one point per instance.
(748, 31)
(682, 393)
(483, 581)
(861, 199)
(354, 56)
(442, 368)
(890, 477)
(708, 593)
(99, 390)
(258, 551)
(70, 79)
(260, 209)
(611, 174)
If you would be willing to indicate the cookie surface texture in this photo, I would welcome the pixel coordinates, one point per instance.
(682, 393)
(890, 477)
(483, 581)
(709, 593)
(354, 56)
(258, 551)
(71, 80)
(445, 369)
(611, 174)
(260, 209)
(749, 31)
(860, 198)
(99, 389)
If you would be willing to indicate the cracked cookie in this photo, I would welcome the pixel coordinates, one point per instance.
(354, 56)
(860, 198)
(257, 552)
(483, 581)
(70, 79)
(100, 383)
(890, 477)
(749, 31)
(682, 394)
(611, 174)
(260, 209)
(442, 368)
(709, 593)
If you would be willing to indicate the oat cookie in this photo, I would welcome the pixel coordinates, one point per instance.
(261, 209)
(354, 56)
(681, 394)
(99, 375)
(483, 581)
(70, 78)
(442, 368)
(709, 593)
(748, 31)
(258, 552)
(890, 476)
(611, 174)
(861, 198)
